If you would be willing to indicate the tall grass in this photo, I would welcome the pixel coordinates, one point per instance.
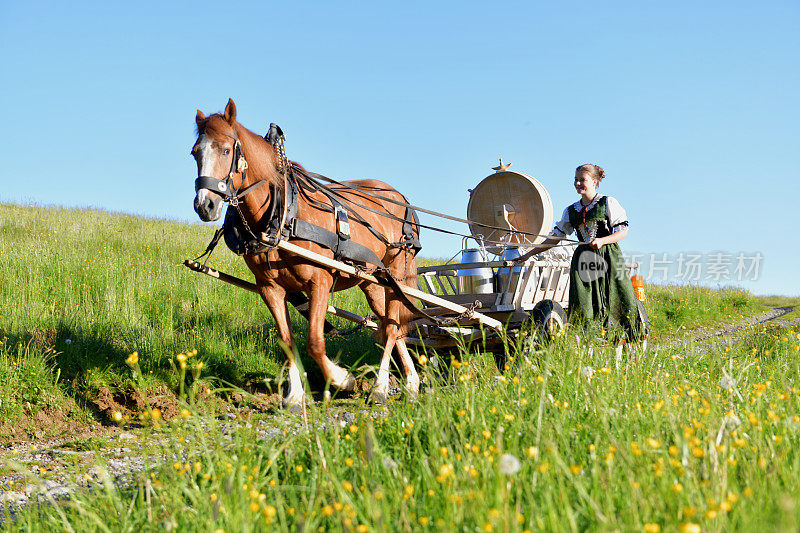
(564, 441)
(97, 286)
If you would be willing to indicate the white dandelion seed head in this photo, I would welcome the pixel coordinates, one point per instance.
(587, 371)
(389, 464)
(509, 464)
(727, 383)
(732, 422)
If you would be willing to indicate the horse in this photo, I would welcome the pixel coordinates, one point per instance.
(278, 274)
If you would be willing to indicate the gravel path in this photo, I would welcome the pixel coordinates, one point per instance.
(731, 332)
(41, 472)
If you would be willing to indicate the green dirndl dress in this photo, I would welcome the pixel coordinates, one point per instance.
(600, 289)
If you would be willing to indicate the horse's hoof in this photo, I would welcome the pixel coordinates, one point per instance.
(349, 383)
(378, 397)
(295, 408)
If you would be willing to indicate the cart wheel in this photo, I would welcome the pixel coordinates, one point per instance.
(550, 317)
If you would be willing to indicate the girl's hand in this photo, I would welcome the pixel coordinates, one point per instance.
(597, 243)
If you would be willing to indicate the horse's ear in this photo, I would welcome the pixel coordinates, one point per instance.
(230, 111)
(199, 118)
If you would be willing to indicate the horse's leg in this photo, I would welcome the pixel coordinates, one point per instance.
(317, 308)
(376, 298)
(404, 316)
(412, 378)
(394, 334)
(275, 298)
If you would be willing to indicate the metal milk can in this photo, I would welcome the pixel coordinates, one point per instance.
(474, 280)
(508, 277)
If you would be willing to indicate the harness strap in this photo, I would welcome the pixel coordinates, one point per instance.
(336, 199)
(408, 222)
(342, 248)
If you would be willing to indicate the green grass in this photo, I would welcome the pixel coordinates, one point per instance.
(673, 308)
(665, 441)
(782, 301)
(96, 286)
(599, 447)
(29, 382)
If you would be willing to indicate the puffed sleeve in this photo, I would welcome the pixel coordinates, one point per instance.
(563, 227)
(616, 215)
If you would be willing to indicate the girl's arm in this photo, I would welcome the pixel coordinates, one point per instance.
(614, 237)
(546, 245)
(563, 226)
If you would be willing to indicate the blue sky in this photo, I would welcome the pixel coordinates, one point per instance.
(691, 108)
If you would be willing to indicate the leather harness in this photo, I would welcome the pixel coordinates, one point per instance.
(281, 220)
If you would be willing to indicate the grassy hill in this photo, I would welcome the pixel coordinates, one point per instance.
(82, 289)
(684, 439)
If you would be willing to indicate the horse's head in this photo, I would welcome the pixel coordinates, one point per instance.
(218, 153)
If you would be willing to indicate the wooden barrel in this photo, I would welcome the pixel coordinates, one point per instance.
(511, 201)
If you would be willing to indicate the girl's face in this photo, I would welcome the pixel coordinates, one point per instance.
(585, 185)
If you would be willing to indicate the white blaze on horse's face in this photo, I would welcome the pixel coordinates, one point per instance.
(212, 160)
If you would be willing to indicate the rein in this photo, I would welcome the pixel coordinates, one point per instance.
(316, 178)
(289, 226)
(311, 181)
(359, 190)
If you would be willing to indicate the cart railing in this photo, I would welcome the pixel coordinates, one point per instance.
(538, 280)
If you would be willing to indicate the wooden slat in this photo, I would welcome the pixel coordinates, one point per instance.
(252, 287)
(409, 291)
(491, 264)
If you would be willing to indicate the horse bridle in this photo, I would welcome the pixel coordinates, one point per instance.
(224, 186)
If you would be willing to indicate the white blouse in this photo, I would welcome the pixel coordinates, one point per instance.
(616, 214)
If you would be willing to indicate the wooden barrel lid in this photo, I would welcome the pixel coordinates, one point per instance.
(513, 201)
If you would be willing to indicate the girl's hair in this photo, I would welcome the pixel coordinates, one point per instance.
(594, 171)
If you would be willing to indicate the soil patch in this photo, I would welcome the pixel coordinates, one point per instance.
(47, 423)
(130, 402)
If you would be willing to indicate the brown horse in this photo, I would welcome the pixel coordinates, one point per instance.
(278, 273)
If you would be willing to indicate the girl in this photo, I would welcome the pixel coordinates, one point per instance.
(599, 284)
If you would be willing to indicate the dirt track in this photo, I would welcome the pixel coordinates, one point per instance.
(730, 332)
